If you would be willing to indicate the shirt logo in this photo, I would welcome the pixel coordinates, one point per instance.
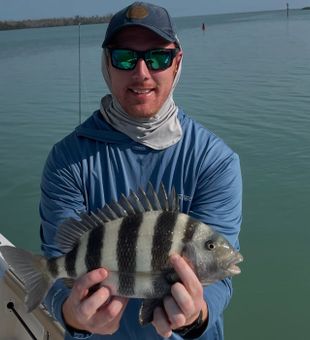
(185, 198)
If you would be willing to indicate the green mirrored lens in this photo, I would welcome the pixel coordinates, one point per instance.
(159, 59)
(124, 59)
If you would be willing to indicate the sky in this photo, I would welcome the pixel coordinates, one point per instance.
(37, 9)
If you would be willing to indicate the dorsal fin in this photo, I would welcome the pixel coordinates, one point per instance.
(69, 233)
(163, 197)
(136, 203)
(174, 204)
(144, 200)
(88, 221)
(118, 209)
(124, 202)
(152, 196)
(100, 214)
(97, 217)
(111, 214)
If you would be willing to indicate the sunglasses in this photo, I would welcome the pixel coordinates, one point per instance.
(156, 59)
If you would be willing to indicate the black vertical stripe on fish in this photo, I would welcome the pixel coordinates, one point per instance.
(126, 252)
(70, 261)
(94, 247)
(189, 230)
(162, 239)
(52, 267)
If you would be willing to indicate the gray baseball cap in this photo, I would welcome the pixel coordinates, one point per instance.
(143, 14)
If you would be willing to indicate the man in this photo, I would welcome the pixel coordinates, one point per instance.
(138, 136)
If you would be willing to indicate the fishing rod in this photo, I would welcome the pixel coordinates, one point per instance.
(79, 71)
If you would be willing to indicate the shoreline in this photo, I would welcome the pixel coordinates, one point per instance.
(6, 25)
(53, 22)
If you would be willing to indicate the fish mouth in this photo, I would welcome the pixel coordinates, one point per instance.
(232, 267)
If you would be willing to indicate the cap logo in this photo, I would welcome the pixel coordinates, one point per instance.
(137, 12)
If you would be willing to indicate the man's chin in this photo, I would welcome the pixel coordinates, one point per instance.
(142, 113)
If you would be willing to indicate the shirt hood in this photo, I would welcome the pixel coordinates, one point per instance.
(96, 128)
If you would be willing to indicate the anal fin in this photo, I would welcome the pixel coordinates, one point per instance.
(147, 310)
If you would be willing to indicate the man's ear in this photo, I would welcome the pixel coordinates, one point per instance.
(178, 60)
(107, 60)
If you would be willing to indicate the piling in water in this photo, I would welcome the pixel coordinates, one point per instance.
(287, 9)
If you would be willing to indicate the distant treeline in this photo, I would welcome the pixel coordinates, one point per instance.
(12, 25)
(306, 7)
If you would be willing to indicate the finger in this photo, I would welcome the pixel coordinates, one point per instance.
(114, 308)
(186, 274)
(107, 317)
(161, 323)
(85, 282)
(183, 299)
(175, 315)
(91, 304)
(117, 305)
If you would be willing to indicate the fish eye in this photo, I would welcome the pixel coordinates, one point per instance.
(209, 245)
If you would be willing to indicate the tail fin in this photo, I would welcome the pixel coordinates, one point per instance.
(32, 270)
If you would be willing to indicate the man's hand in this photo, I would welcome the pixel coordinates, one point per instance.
(96, 313)
(183, 307)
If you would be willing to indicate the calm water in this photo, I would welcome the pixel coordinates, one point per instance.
(247, 78)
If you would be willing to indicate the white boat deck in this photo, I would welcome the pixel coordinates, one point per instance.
(15, 322)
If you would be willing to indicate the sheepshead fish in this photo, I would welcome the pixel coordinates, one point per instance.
(132, 239)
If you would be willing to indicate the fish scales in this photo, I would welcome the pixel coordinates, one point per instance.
(162, 239)
(191, 227)
(127, 253)
(94, 248)
(136, 236)
(71, 259)
(181, 233)
(109, 249)
(132, 239)
(80, 266)
(162, 232)
(144, 283)
(145, 241)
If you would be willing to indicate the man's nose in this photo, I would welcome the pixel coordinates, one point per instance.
(141, 69)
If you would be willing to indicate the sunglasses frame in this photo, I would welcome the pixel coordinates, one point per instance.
(143, 55)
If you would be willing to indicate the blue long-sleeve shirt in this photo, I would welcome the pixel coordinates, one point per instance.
(95, 164)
